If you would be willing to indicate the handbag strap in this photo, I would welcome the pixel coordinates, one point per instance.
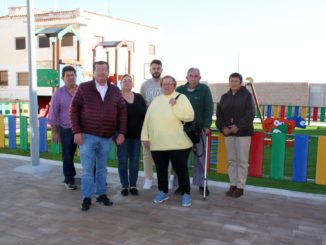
(177, 96)
(176, 99)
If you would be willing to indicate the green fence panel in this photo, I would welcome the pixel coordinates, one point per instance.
(7, 109)
(278, 155)
(322, 114)
(55, 148)
(289, 113)
(113, 152)
(23, 133)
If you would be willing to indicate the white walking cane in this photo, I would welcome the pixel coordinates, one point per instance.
(205, 168)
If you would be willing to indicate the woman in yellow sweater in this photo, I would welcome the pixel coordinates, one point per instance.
(163, 134)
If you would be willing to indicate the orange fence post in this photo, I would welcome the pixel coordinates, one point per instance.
(303, 113)
(275, 111)
(221, 155)
(321, 161)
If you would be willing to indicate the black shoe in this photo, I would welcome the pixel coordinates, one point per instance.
(124, 192)
(231, 190)
(104, 199)
(201, 190)
(237, 193)
(134, 191)
(87, 202)
(178, 191)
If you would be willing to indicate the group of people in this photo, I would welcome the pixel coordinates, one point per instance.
(96, 114)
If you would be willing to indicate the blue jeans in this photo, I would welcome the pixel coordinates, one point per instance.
(68, 153)
(129, 150)
(93, 150)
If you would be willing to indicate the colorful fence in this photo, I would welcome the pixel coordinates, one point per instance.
(14, 108)
(217, 150)
(316, 114)
(276, 111)
(12, 129)
(277, 161)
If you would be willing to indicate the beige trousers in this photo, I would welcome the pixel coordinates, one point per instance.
(237, 151)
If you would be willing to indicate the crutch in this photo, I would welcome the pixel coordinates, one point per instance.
(205, 168)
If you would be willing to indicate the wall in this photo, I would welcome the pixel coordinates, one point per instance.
(271, 93)
(318, 95)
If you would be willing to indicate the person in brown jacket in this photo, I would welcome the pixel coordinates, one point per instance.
(97, 112)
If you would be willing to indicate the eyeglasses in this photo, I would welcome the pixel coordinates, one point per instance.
(167, 84)
(234, 81)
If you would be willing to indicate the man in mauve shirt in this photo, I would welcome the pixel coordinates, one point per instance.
(60, 123)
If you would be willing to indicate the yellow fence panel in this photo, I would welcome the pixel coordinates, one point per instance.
(303, 112)
(222, 163)
(321, 161)
(276, 111)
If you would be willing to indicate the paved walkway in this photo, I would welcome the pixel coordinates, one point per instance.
(35, 208)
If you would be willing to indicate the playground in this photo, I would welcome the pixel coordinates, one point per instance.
(287, 151)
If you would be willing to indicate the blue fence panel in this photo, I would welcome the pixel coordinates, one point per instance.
(300, 158)
(12, 132)
(269, 111)
(296, 111)
(43, 134)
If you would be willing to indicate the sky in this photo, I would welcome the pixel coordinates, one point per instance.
(268, 40)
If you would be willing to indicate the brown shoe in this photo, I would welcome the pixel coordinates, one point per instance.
(231, 190)
(237, 193)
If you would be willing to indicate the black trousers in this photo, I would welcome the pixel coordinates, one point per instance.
(68, 153)
(179, 159)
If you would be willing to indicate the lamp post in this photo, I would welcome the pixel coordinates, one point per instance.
(35, 137)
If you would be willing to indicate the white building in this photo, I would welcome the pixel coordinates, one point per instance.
(91, 28)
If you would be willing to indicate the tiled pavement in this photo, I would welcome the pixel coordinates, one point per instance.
(37, 209)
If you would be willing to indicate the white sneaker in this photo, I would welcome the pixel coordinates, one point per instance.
(148, 184)
(171, 181)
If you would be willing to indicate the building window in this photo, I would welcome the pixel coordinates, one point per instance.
(3, 78)
(67, 40)
(20, 43)
(151, 50)
(22, 78)
(43, 42)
